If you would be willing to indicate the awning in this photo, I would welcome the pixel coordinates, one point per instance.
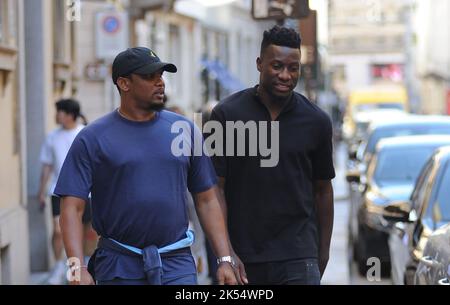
(218, 71)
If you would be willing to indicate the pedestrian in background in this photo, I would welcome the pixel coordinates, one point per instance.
(53, 153)
(280, 218)
(138, 187)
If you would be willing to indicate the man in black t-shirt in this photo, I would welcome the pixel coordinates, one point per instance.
(279, 206)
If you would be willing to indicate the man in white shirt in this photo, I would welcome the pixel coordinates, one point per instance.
(53, 153)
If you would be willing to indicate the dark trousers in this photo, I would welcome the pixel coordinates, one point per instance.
(289, 272)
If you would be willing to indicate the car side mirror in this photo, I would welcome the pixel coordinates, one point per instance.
(400, 211)
(353, 176)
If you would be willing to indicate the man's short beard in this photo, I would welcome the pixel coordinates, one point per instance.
(152, 106)
(156, 107)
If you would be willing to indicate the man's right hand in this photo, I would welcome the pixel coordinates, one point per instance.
(226, 274)
(239, 270)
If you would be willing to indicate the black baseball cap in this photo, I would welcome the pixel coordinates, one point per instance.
(138, 60)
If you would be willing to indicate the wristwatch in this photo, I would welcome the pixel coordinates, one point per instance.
(226, 259)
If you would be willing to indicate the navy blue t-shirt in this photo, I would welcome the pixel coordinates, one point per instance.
(138, 186)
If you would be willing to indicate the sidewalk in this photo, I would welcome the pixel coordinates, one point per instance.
(39, 278)
(340, 186)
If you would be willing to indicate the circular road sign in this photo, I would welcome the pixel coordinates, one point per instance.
(111, 24)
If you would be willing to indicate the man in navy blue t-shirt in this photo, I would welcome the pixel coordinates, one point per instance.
(138, 188)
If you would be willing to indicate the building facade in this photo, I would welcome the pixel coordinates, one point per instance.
(432, 21)
(35, 70)
(14, 260)
(366, 42)
(49, 60)
(214, 47)
(93, 87)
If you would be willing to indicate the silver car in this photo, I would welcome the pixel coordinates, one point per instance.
(434, 265)
(391, 176)
(415, 220)
(403, 126)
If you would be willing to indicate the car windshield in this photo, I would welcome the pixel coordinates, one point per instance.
(397, 131)
(401, 166)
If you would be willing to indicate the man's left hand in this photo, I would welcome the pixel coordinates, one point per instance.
(225, 274)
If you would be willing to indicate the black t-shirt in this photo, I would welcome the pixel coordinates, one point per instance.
(271, 210)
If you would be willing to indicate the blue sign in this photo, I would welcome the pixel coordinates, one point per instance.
(111, 24)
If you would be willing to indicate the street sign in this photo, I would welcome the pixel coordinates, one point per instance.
(111, 24)
(112, 36)
(280, 9)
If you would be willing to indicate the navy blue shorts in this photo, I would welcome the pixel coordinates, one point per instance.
(112, 268)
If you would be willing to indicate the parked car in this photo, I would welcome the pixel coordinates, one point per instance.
(413, 221)
(434, 266)
(391, 176)
(403, 126)
(381, 129)
(362, 122)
